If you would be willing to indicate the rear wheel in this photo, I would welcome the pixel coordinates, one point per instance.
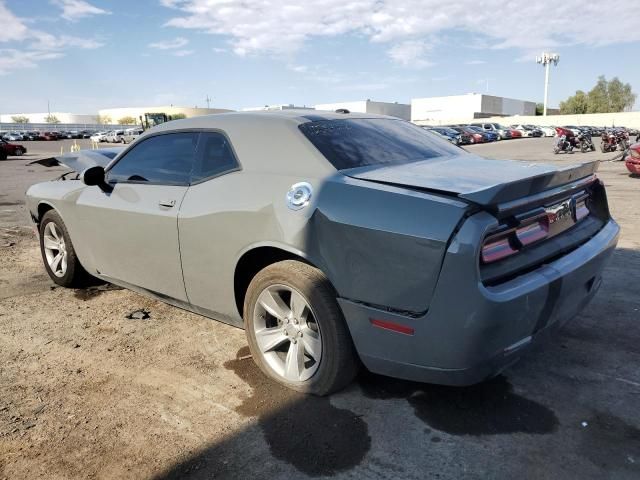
(19, 152)
(295, 329)
(58, 254)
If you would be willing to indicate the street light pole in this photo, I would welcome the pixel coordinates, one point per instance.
(546, 59)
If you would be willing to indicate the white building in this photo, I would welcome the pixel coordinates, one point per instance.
(270, 108)
(63, 117)
(467, 107)
(400, 110)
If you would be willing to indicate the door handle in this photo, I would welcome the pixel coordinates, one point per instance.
(167, 203)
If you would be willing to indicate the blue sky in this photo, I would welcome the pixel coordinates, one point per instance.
(86, 55)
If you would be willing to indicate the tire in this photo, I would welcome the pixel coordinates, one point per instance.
(74, 275)
(18, 152)
(584, 148)
(3, 154)
(323, 324)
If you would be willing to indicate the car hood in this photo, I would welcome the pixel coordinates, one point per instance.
(473, 178)
(80, 161)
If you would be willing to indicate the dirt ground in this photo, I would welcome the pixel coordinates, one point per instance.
(86, 391)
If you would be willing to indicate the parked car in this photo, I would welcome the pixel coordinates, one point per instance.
(474, 137)
(528, 130)
(11, 149)
(30, 135)
(487, 135)
(48, 136)
(632, 161)
(99, 137)
(12, 137)
(515, 133)
(131, 134)
(448, 133)
(502, 131)
(358, 248)
(114, 136)
(547, 131)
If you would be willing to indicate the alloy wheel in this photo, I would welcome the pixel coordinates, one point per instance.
(55, 249)
(287, 333)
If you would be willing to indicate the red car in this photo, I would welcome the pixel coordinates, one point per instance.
(633, 160)
(515, 133)
(8, 149)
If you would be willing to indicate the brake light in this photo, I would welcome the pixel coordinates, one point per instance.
(509, 242)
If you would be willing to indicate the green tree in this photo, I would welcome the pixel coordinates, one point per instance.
(578, 103)
(621, 97)
(20, 119)
(51, 119)
(103, 119)
(178, 116)
(127, 121)
(539, 108)
(598, 97)
(604, 97)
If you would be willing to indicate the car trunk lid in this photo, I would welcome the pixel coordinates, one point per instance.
(482, 181)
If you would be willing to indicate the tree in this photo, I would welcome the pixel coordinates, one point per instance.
(127, 121)
(178, 116)
(20, 119)
(103, 119)
(579, 103)
(604, 97)
(539, 109)
(51, 119)
(598, 97)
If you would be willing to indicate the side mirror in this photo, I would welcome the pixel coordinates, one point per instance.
(95, 176)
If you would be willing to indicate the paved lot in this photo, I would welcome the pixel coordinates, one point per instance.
(88, 393)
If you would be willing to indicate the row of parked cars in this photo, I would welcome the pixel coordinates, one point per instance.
(461, 134)
(117, 136)
(22, 135)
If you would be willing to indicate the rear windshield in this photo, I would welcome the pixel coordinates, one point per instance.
(360, 142)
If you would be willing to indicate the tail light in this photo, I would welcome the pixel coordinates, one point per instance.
(508, 242)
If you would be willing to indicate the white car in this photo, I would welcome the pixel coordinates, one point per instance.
(131, 134)
(12, 137)
(114, 136)
(547, 131)
(98, 137)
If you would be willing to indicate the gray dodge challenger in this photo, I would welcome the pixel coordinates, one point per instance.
(335, 240)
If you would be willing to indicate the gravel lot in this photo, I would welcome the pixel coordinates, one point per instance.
(86, 392)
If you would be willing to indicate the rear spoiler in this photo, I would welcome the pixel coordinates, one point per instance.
(81, 160)
(503, 194)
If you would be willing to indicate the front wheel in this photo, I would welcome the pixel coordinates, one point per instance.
(584, 148)
(58, 254)
(295, 329)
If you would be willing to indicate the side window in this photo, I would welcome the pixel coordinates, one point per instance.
(166, 159)
(214, 156)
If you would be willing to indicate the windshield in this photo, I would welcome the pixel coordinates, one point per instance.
(352, 143)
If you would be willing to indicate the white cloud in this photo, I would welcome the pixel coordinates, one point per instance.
(182, 53)
(73, 10)
(29, 46)
(475, 62)
(176, 43)
(282, 26)
(11, 59)
(411, 53)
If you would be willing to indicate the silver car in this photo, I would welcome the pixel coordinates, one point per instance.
(335, 240)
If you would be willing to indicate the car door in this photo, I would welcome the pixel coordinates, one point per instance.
(211, 229)
(132, 231)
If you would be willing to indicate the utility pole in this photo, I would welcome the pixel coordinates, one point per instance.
(546, 59)
(208, 101)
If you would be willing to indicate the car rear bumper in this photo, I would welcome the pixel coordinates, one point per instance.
(472, 332)
(633, 165)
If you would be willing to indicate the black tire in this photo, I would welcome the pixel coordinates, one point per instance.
(584, 148)
(339, 363)
(19, 152)
(3, 154)
(75, 276)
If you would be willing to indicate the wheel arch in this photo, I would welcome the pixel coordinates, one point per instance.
(255, 258)
(43, 207)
